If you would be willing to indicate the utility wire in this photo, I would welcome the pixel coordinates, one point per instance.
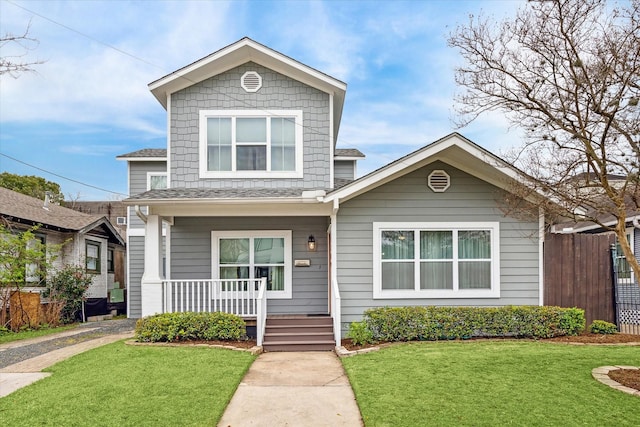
(63, 177)
(137, 58)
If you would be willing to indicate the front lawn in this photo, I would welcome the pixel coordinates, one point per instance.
(125, 385)
(491, 383)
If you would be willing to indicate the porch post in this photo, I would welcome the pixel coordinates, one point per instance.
(151, 286)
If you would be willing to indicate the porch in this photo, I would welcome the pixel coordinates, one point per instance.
(247, 298)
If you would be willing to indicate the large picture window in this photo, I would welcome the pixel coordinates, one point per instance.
(253, 255)
(250, 143)
(434, 260)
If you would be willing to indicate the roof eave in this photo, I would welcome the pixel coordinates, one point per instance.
(243, 51)
(424, 156)
(142, 159)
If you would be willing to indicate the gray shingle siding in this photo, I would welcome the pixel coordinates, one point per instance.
(223, 92)
(191, 255)
(138, 184)
(408, 199)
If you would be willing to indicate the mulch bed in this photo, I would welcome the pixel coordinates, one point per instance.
(585, 338)
(627, 377)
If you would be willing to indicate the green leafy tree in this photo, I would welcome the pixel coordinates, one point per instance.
(23, 257)
(31, 185)
(567, 72)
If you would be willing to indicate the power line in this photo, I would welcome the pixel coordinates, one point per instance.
(137, 58)
(63, 177)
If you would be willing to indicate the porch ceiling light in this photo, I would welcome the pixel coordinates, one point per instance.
(311, 244)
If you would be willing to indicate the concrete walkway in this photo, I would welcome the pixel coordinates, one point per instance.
(293, 389)
(21, 374)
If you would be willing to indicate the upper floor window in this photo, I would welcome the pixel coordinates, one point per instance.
(156, 180)
(251, 144)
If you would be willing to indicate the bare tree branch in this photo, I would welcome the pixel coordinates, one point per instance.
(568, 73)
(16, 64)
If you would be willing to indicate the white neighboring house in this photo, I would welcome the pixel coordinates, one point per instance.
(91, 240)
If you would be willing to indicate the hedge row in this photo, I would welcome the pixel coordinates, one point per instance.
(437, 323)
(170, 327)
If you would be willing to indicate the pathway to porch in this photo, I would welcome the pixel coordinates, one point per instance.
(293, 389)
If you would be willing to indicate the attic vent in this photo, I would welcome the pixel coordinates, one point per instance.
(121, 220)
(438, 181)
(251, 81)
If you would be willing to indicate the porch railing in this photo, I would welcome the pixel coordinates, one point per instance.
(335, 310)
(236, 296)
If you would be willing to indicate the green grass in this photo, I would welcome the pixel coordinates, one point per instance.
(9, 336)
(490, 383)
(123, 385)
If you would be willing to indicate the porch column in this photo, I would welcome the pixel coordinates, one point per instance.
(151, 285)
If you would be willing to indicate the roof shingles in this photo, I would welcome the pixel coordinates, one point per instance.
(20, 206)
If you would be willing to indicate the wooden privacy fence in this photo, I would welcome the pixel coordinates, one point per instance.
(577, 273)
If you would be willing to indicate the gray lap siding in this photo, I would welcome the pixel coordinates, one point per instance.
(408, 199)
(191, 255)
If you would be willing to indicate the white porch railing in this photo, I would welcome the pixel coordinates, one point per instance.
(244, 297)
(335, 311)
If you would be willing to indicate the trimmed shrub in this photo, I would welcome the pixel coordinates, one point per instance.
(360, 334)
(602, 327)
(441, 323)
(169, 327)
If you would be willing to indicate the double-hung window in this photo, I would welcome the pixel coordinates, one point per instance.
(92, 256)
(253, 255)
(251, 144)
(436, 260)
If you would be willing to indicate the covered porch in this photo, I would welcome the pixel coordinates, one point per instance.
(258, 267)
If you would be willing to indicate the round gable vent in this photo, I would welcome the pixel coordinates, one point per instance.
(251, 81)
(438, 181)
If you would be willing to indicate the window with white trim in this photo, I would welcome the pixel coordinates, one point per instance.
(436, 260)
(92, 256)
(251, 144)
(156, 180)
(253, 255)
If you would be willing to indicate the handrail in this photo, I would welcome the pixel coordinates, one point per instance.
(336, 310)
(261, 317)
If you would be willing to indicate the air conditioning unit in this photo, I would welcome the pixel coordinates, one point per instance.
(121, 220)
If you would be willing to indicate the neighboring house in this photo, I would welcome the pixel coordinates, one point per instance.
(251, 186)
(89, 240)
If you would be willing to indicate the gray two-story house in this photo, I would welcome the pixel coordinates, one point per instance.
(252, 209)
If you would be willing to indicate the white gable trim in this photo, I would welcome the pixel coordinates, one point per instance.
(430, 154)
(237, 54)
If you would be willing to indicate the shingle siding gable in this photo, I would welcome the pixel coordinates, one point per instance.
(223, 92)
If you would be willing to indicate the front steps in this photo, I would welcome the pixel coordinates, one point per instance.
(299, 333)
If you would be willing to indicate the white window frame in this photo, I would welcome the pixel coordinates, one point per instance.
(233, 114)
(631, 238)
(278, 234)
(416, 227)
(155, 174)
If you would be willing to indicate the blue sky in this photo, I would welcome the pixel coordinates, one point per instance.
(89, 101)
